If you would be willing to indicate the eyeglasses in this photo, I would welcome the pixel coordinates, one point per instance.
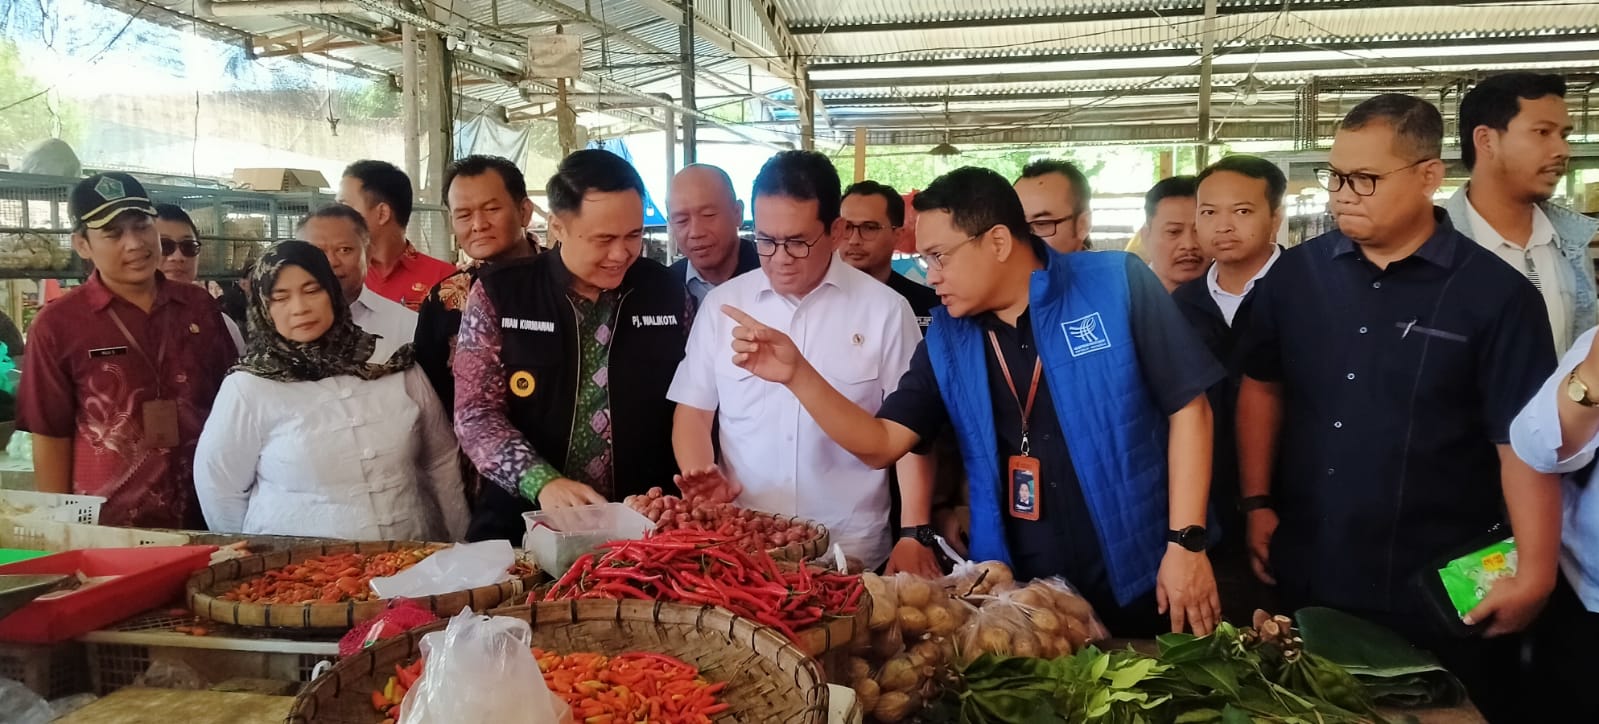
(796, 248)
(936, 259)
(190, 248)
(1047, 227)
(1362, 184)
(869, 231)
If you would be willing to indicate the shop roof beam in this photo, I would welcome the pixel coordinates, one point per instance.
(1110, 12)
(1106, 134)
(555, 7)
(1183, 66)
(1265, 47)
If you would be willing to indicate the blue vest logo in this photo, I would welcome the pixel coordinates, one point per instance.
(1085, 335)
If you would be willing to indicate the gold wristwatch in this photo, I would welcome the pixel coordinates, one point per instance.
(1577, 391)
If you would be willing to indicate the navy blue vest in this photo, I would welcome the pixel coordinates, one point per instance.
(1080, 310)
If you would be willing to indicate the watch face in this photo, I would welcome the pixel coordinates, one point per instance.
(1193, 538)
(1576, 390)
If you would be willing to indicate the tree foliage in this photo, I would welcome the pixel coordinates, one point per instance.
(31, 113)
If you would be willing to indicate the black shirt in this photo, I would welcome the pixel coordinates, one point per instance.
(921, 297)
(1397, 384)
(1063, 541)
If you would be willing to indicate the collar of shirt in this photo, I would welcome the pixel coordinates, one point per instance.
(1439, 249)
(401, 262)
(1543, 231)
(835, 277)
(1217, 291)
(100, 296)
(359, 305)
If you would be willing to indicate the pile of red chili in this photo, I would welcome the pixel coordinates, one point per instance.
(704, 568)
(631, 687)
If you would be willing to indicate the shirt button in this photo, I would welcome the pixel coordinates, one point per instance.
(367, 454)
(1376, 285)
(344, 394)
(1362, 330)
(1330, 471)
(1349, 376)
(355, 421)
(1338, 424)
(181, 378)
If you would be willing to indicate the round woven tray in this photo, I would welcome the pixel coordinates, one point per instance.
(816, 546)
(204, 587)
(768, 680)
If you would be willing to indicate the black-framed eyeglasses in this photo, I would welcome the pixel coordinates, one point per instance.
(869, 231)
(1047, 227)
(1362, 184)
(797, 248)
(190, 248)
(936, 259)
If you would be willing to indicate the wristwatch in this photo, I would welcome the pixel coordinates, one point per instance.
(922, 534)
(1577, 391)
(1192, 538)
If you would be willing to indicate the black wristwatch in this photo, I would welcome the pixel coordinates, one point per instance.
(922, 534)
(1192, 538)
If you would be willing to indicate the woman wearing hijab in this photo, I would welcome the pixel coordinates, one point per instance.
(309, 437)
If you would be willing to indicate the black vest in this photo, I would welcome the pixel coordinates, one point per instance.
(540, 353)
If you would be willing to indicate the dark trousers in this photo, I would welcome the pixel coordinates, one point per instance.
(1563, 668)
(1241, 593)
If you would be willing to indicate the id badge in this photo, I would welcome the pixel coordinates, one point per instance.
(161, 424)
(1021, 476)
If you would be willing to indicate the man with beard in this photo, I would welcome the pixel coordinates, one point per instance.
(1513, 131)
(1168, 233)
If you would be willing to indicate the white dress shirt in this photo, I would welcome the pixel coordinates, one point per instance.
(1536, 437)
(1229, 302)
(1540, 262)
(860, 334)
(389, 320)
(341, 457)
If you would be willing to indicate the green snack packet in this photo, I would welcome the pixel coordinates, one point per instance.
(1467, 579)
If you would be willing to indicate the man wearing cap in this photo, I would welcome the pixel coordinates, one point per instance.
(122, 371)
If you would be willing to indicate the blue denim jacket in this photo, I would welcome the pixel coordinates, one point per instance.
(1573, 232)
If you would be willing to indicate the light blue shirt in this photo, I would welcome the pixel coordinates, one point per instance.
(1535, 435)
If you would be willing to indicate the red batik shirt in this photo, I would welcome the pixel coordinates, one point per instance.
(82, 380)
(409, 279)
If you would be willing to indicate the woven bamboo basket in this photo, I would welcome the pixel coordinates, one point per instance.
(204, 587)
(768, 680)
(816, 546)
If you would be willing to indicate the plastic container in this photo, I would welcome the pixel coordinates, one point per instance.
(54, 536)
(144, 578)
(557, 538)
(51, 506)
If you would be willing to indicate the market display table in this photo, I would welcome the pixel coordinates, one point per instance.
(118, 655)
(164, 706)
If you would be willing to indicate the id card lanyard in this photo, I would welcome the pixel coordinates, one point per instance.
(160, 414)
(1022, 472)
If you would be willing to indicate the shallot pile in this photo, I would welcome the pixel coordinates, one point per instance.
(750, 530)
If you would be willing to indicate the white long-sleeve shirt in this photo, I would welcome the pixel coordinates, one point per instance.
(1536, 437)
(860, 334)
(393, 324)
(341, 457)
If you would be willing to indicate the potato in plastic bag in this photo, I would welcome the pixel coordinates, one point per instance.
(972, 578)
(1071, 611)
(997, 628)
(491, 661)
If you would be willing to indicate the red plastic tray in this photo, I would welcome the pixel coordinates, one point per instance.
(147, 577)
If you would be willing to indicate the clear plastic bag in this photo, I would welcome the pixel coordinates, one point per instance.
(972, 578)
(19, 705)
(481, 669)
(1059, 596)
(460, 567)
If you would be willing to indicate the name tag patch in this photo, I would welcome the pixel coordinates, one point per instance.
(1085, 335)
(655, 320)
(526, 325)
(107, 352)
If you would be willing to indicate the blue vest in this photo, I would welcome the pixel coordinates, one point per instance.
(1080, 311)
